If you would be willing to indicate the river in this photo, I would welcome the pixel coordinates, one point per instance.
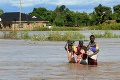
(47, 60)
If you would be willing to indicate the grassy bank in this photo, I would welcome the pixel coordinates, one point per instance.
(50, 36)
(106, 34)
(55, 36)
(104, 26)
(57, 28)
(112, 26)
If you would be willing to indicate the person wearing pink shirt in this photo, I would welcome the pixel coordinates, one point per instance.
(81, 53)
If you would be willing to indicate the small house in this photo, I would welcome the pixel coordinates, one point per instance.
(20, 21)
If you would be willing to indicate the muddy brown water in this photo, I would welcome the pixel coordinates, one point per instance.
(32, 60)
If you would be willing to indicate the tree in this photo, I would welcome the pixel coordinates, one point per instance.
(40, 12)
(103, 12)
(1, 11)
(116, 8)
(116, 14)
(60, 15)
(62, 8)
(70, 18)
(50, 16)
(94, 18)
(81, 19)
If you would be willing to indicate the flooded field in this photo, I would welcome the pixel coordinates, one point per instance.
(31, 60)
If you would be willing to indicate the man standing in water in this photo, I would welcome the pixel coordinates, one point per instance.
(92, 51)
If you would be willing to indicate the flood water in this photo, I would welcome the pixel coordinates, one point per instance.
(32, 60)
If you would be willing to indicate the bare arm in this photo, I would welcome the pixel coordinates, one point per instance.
(96, 45)
(88, 46)
(65, 47)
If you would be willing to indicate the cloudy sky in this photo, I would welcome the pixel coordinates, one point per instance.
(75, 5)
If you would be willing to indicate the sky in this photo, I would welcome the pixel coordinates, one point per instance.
(74, 5)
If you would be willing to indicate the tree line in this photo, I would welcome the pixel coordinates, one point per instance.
(62, 16)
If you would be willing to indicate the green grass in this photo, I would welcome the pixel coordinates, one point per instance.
(41, 29)
(112, 26)
(72, 36)
(10, 35)
(38, 38)
(57, 28)
(56, 36)
(106, 34)
(24, 35)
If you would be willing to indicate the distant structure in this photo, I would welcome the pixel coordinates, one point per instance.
(10, 21)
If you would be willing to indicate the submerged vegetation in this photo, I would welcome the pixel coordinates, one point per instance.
(50, 36)
(106, 34)
(55, 36)
(9, 35)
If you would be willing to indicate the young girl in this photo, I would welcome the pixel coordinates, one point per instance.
(92, 51)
